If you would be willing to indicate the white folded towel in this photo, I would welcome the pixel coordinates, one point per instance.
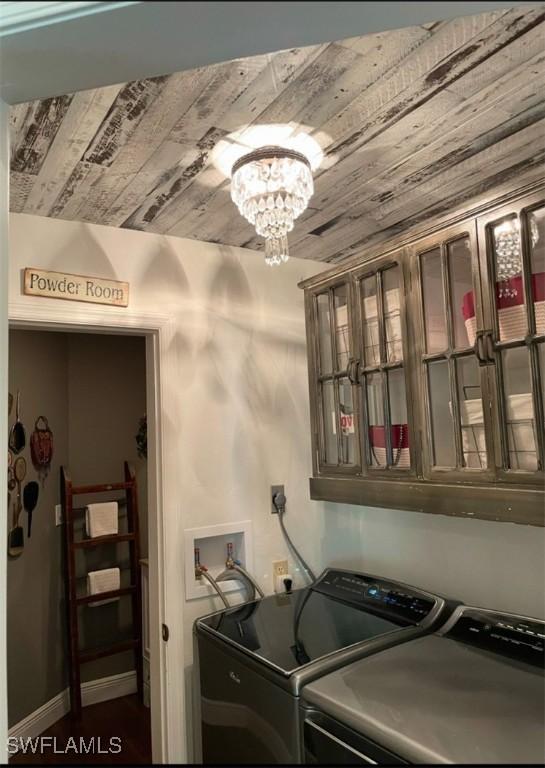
(101, 519)
(105, 580)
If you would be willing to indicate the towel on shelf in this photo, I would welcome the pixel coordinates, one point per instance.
(104, 580)
(101, 519)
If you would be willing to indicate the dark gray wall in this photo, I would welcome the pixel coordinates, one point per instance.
(92, 389)
(38, 366)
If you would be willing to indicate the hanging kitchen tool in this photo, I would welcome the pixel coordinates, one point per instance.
(12, 482)
(17, 435)
(17, 536)
(41, 448)
(30, 499)
(10, 403)
(10, 459)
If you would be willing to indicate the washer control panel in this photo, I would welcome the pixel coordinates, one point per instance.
(506, 634)
(407, 604)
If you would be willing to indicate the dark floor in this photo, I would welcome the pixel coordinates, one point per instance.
(125, 720)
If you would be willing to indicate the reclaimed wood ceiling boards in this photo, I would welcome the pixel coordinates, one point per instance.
(412, 123)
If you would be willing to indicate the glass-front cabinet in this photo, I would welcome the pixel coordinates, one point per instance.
(452, 379)
(382, 347)
(427, 371)
(336, 425)
(512, 245)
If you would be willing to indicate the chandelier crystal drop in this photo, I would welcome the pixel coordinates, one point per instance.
(271, 187)
(507, 247)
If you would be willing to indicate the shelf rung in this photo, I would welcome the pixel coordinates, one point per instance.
(105, 595)
(79, 490)
(110, 538)
(109, 650)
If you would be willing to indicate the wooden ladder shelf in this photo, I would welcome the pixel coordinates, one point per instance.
(76, 655)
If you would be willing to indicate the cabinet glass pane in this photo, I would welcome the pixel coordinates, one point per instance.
(519, 409)
(371, 341)
(509, 289)
(330, 423)
(462, 296)
(375, 415)
(442, 432)
(348, 427)
(434, 305)
(398, 419)
(392, 314)
(541, 353)
(471, 413)
(341, 327)
(324, 334)
(536, 231)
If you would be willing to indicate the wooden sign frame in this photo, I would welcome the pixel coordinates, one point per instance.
(70, 287)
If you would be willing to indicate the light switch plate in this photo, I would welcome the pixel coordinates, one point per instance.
(58, 514)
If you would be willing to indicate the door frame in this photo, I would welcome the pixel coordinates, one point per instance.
(169, 738)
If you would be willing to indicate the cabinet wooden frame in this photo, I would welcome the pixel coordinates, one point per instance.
(494, 493)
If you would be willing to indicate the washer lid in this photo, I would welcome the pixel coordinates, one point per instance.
(338, 611)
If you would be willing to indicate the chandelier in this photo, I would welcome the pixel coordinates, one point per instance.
(271, 187)
(507, 247)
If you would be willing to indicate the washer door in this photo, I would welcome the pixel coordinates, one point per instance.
(245, 718)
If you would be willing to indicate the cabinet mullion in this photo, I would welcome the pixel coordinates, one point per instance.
(533, 349)
(539, 406)
(380, 320)
(387, 419)
(383, 347)
(527, 275)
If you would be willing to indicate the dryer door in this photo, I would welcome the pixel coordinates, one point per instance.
(328, 742)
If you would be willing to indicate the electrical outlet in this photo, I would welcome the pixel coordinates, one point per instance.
(274, 490)
(58, 514)
(280, 567)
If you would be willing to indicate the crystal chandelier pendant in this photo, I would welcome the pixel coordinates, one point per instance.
(508, 253)
(271, 188)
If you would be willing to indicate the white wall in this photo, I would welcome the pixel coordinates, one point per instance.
(243, 420)
(4, 208)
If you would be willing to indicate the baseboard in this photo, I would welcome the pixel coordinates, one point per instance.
(43, 717)
(93, 692)
(106, 688)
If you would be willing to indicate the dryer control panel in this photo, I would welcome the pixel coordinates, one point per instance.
(406, 604)
(507, 634)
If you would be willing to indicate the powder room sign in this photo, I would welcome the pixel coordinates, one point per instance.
(60, 285)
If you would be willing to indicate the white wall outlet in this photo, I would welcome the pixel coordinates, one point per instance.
(280, 567)
(58, 514)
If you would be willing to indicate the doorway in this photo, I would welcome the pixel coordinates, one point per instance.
(92, 392)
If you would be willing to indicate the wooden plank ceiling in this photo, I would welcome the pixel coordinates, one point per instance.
(412, 122)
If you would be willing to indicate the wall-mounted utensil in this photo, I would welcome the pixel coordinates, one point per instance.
(19, 469)
(17, 535)
(30, 499)
(17, 435)
(10, 459)
(41, 447)
(10, 403)
(16, 539)
(12, 482)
